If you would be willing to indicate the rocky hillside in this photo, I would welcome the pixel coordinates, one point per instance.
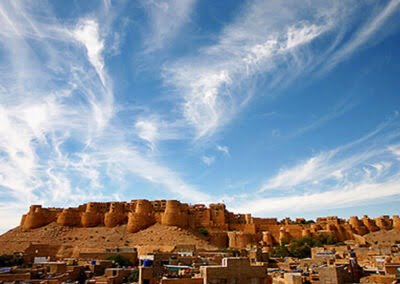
(74, 239)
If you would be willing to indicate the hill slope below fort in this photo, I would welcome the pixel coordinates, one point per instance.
(75, 239)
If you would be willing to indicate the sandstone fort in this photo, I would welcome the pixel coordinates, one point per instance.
(226, 229)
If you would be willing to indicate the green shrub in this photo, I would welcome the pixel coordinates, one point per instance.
(134, 276)
(203, 231)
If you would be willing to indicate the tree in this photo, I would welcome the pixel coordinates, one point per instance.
(302, 248)
(280, 251)
(11, 260)
(120, 260)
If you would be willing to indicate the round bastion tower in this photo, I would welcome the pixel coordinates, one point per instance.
(92, 216)
(239, 239)
(284, 235)
(357, 226)
(267, 238)
(38, 217)
(174, 214)
(396, 222)
(142, 218)
(35, 218)
(116, 215)
(69, 217)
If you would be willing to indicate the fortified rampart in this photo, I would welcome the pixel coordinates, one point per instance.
(224, 228)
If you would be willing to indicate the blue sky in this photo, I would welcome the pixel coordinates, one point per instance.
(277, 108)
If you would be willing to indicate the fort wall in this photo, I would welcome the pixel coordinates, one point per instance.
(225, 228)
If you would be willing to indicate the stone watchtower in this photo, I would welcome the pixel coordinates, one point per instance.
(116, 215)
(142, 218)
(175, 214)
(92, 216)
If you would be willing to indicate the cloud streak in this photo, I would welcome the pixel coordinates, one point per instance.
(62, 143)
(166, 19)
(267, 42)
(358, 173)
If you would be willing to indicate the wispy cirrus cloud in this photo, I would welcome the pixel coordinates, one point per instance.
(223, 149)
(87, 33)
(215, 84)
(341, 163)
(268, 42)
(208, 160)
(166, 19)
(353, 195)
(358, 173)
(60, 142)
(367, 31)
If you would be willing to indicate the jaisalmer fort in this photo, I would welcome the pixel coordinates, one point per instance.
(166, 241)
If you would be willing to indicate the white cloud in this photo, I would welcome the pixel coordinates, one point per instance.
(353, 195)
(166, 20)
(214, 84)
(208, 160)
(369, 29)
(10, 215)
(361, 172)
(127, 160)
(268, 40)
(223, 149)
(87, 33)
(395, 149)
(61, 140)
(147, 130)
(153, 128)
(339, 164)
